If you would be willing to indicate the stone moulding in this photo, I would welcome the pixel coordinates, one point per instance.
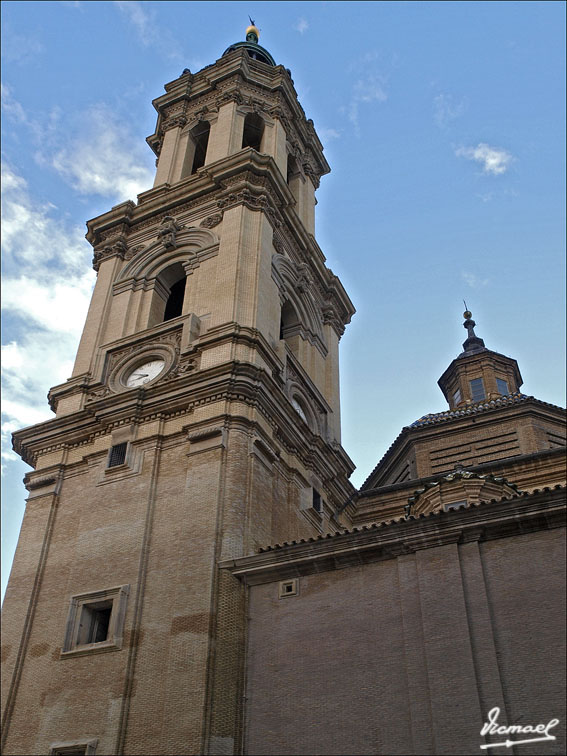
(541, 510)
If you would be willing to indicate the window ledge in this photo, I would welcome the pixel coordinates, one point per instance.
(92, 648)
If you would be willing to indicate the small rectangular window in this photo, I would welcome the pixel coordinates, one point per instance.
(502, 387)
(288, 588)
(95, 622)
(477, 390)
(317, 506)
(77, 748)
(457, 396)
(117, 455)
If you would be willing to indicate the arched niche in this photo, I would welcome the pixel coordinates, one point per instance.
(161, 272)
(188, 243)
(300, 317)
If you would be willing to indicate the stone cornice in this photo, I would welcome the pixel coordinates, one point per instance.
(229, 382)
(485, 521)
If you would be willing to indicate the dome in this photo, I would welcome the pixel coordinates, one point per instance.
(254, 50)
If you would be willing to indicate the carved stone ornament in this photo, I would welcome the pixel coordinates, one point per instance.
(117, 248)
(331, 317)
(183, 368)
(174, 122)
(278, 246)
(304, 278)
(211, 221)
(167, 232)
(96, 394)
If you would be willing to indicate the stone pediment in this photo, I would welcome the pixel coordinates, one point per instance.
(460, 488)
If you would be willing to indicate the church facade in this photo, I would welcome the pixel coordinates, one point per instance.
(196, 574)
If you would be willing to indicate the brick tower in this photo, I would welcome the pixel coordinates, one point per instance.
(201, 422)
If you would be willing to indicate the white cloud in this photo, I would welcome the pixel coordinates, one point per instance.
(365, 90)
(369, 87)
(56, 305)
(327, 135)
(301, 25)
(148, 30)
(494, 160)
(11, 107)
(474, 281)
(31, 238)
(103, 159)
(46, 305)
(446, 110)
(17, 48)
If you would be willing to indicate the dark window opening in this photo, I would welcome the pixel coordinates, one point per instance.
(174, 304)
(253, 131)
(258, 56)
(289, 320)
(117, 455)
(200, 136)
(289, 588)
(502, 387)
(317, 504)
(95, 622)
(78, 750)
(292, 168)
(477, 390)
(457, 396)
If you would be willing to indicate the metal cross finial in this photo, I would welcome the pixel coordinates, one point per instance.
(252, 21)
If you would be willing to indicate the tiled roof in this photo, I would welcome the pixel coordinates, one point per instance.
(471, 409)
(398, 520)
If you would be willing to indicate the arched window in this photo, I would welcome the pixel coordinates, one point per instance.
(290, 327)
(298, 407)
(253, 131)
(197, 148)
(174, 304)
(169, 292)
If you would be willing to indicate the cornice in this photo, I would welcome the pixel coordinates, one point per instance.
(230, 382)
(485, 521)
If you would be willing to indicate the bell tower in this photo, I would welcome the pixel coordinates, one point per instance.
(201, 423)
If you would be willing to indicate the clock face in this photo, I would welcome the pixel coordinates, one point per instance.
(145, 373)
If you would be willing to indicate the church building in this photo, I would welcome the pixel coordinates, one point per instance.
(196, 574)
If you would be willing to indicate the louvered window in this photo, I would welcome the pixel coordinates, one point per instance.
(477, 390)
(117, 455)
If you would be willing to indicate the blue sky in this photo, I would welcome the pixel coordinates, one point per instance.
(443, 124)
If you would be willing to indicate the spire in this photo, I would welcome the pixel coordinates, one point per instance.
(473, 343)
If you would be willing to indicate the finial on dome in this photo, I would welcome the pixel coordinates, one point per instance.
(473, 343)
(252, 32)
